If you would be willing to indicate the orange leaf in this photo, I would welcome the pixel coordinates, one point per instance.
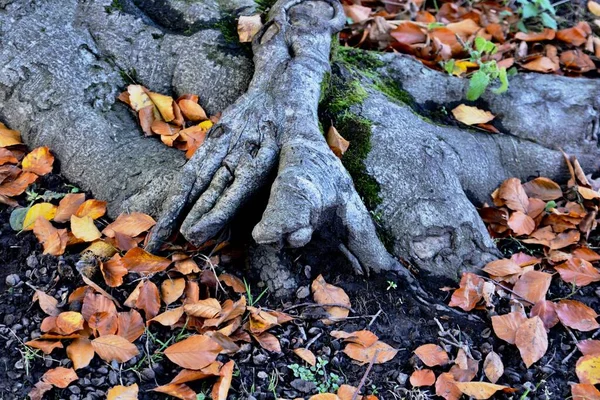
(578, 272)
(68, 322)
(589, 346)
(130, 325)
(576, 61)
(39, 161)
(18, 185)
(479, 390)
(130, 225)
(9, 137)
(68, 206)
(521, 224)
(207, 308)
(533, 286)
(576, 35)
(465, 367)
(189, 375)
(142, 262)
(113, 347)
(97, 303)
(148, 299)
(172, 289)
(138, 98)
(60, 377)
(493, 367)
(409, 33)
(445, 387)
(346, 392)
(306, 355)
(584, 391)
(432, 355)
(325, 293)
(7, 157)
(364, 338)
(80, 352)
(546, 310)
(47, 303)
(221, 387)
(195, 352)
(422, 377)
(502, 267)
(261, 321)
(577, 315)
(469, 115)
(357, 13)
(506, 326)
(54, 240)
(469, 293)
(123, 392)
(178, 390)
(113, 271)
(268, 341)
(532, 340)
(233, 282)
(46, 346)
(546, 34)
(191, 110)
(169, 317)
(336, 142)
(512, 194)
(91, 208)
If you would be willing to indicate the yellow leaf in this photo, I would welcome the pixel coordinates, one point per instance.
(92, 208)
(472, 115)
(39, 161)
(138, 97)
(123, 392)
(594, 8)
(9, 137)
(588, 369)
(479, 390)
(84, 228)
(164, 104)
(43, 210)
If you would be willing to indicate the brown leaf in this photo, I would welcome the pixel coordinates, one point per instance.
(39, 161)
(97, 303)
(422, 377)
(172, 289)
(357, 13)
(68, 206)
(148, 299)
(121, 392)
(379, 351)
(248, 26)
(584, 391)
(506, 326)
(46, 346)
(169, 317)
(221, 387)
(186, 265)
(233, 282)
(502, 267)
(336, 142)
(189, 375)
(521, 224)
(9, 137)
(364, 338)
(54, 240)
(325, 293)
(493, 367)
(130, 325)
(432, 355)
(60, 377)
(532, 340)
(577, 271)
(546, 310)
(469, 115)
(130, 225)
(306, 355)
(577, 61)
(445, 387)
(576, 35)
(465, 368)
(479, 390)
(18, 185)
(113, 271)
(80, 352)
(589, 347)
(533, 286)
(91, 208)
(113, 347)
(409, 33)
(195, 352)
(542, 64)
(104, 323)
(268, 341)
(565, 239)
(68, 322)
(7, 157)
(38, 390)
(178, 390)
(469, 293)
(346, 392)
(512, 194)
(546, 34)
(142, 262)
(47, 303)
(207, 308)
(577, 315)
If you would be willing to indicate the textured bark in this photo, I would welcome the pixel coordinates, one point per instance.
(62, 64)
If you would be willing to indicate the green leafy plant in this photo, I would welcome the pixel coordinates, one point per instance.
(534, 12)
(392, 285)
(250, 297)
(487, 73)
(317, 374)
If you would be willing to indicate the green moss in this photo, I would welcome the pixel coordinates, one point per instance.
(363, 60)
(115, 6)
(392, 89)
(264, 6)
(228, 27)
(341, 99)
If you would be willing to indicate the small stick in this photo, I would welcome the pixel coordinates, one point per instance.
(364, 378)
(318, 305)
(375, 317)
(311, 341)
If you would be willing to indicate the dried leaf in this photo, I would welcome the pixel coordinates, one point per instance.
(113, 271)
(130, 225)
(91, 208)
(195, 352)
(47, 303)
(148, 299)
(432, 355)
(533, 286)
(502, 267)
(39, 161)
(532, 340)
(306, 355)
(247, 28)
(479, 390)
(46, 346)
(138, 98)
(40, 210)
(18, 185)
(588, 369)
(422, 377)
(465, 368)
(364, 338)
(68, 322)
(336, 142)
(38, 390)
(445, 387)
(140, 261)
(409, 33)
(268, 341)
(469, 293)
(221, 387)
(172, 289)
(546, 34)
(68, 206)
(469, 115)
(521, 224)
(178, 390)
(576, 35)
(80, 352)
(84, 228)
(546, 310)
(357, 13)
(130, 325)
(584, 391)
(594, 8)
(325, 293)
(60, 377)
(506, 326)
(189, 375)
(9, 137)
(579, 272)
(380, 352)
(589, 347)
(493, 367)
(577, 315)
(207, 308)
(164, 104)
(54, 240)
(512, 194)
(113, 347)
(121, 392)
(169, 317)
(233, 282)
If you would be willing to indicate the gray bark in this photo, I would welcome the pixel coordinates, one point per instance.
(61, 67)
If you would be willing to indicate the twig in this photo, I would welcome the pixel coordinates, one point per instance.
(318, 306)
(575, 341)
(507, 289)
(364, 378)
(311, 341)
(375, 317)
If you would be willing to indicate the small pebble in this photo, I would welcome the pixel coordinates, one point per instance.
(262, 375)
(402, 378)
(302, 292)
(74, 389)
(12, 280)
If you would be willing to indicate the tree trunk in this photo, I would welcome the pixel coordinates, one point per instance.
(64, 62)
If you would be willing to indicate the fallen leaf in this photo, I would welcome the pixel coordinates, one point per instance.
(594, 8)
(248, 26)
(39, 161)
(54, 240)
(584, 391)
(18, 185)
(68, 322)
(546, 310)
(46, 346)
(140, 261)
(479, 390)
(502, 267)
(306, 355)
(7, 156)
(363, 337)
(80, 352)
(221, 387)
(445, 387)
(195, 352)
(91, 208)
(506, 326)
(327, 294)
(189, 375)
(9, 137)
(138, 98)
(379, 352)
(121, 392)
(512, 194)
(546, 34)
(532, 340)
(577, 315)
(576, 61)
(465, 368)
(268, 341)
(578, 272)
(172, 289)
(432, 355)
(164, 104)
(346, 392)
(84, 228)
(469, 115)
(148, 299)
(493, 367)
(409, 33)
(521, 223)
(336, 142)
(130, 225)
(130, 325)
(40, 388)
(233, 282)
(169, 317)
(207, 308)
(357, 13)
(422, 377)
(97, 303)
(589, 347)
(47, 303)
(588, 369)
(576, 35)
(113, 347)
(113, 271)
(68, 206)
(533, 286)
(178, 390)
(60, 377)
(469, 293)
(40, 210)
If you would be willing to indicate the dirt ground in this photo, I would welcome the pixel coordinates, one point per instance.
(399, 317)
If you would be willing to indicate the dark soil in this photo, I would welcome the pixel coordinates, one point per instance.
(401, 318)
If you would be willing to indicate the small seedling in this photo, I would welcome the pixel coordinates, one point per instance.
(317, 374)
(392, 285)
(251, 300)
(534, 12)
